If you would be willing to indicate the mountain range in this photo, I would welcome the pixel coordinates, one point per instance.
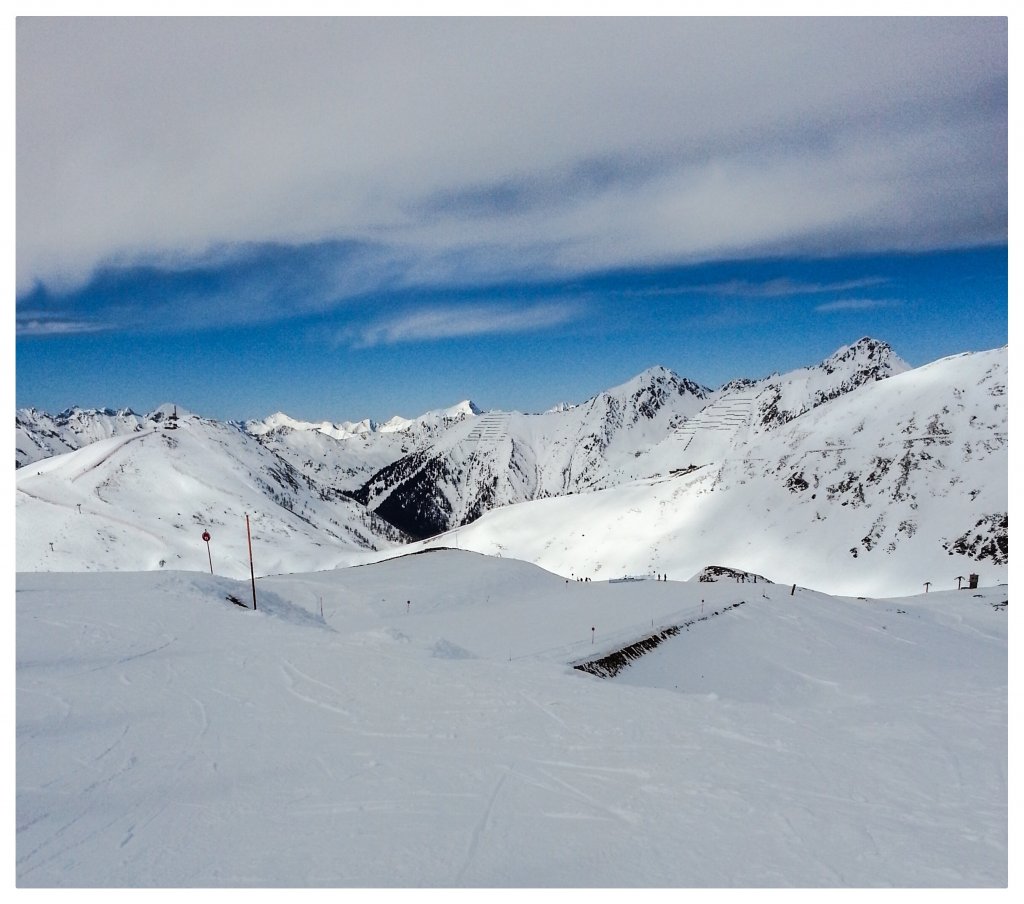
(858, 474)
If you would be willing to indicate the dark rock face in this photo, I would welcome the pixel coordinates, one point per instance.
(712, 573)
(416, 505)
(988, 539)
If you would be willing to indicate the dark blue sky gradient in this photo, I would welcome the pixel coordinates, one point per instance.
(710, 322)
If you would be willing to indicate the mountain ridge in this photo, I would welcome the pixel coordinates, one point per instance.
(343, 498)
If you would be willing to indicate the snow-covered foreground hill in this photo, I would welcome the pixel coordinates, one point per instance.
(427, 730)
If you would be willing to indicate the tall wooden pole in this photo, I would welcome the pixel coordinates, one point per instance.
(252, 572)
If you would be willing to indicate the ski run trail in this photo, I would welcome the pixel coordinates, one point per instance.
(418, 723)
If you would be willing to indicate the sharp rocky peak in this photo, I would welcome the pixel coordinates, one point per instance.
(866, 354)
(657, 376)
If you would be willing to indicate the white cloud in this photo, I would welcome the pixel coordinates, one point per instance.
(857, 304)
(507, 146)
(42, 325)
(781, 287)
(450, 322)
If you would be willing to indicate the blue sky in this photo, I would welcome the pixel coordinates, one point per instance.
(359, 218)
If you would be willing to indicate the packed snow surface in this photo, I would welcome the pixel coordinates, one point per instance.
(417, 723)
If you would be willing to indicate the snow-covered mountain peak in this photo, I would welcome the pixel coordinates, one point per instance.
(84, 414)
(818, 480)
(651, 379)
(275, 421)
(359, 428)
(781, 398)
(866, 355)
(279, 422)
(446, 416)
(463, 409)
(651, 374)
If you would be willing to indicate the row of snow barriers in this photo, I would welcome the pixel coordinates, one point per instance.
(609, 665)
(489, 428)
(726, 414)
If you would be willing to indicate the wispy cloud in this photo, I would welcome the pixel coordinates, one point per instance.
(456, 321)
(780, 287)
(42, 324)
(784, 287)
(857, 304)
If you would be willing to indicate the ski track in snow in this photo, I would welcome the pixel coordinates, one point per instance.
(479, 830)
(167, 738)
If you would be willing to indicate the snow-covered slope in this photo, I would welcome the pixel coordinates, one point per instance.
(142, 501)
(505, 457)
(901, 482)
(855, 475)
(40, 435)
(629, 432)
(426, 730)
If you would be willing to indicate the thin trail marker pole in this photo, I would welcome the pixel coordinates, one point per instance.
(252, 572)
(206, 538)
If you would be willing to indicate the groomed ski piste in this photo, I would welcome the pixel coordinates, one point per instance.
(421, 723)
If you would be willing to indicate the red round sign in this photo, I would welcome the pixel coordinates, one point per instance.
(206, 536)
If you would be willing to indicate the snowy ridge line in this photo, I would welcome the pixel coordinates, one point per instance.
(609, 665)
(117, 448)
